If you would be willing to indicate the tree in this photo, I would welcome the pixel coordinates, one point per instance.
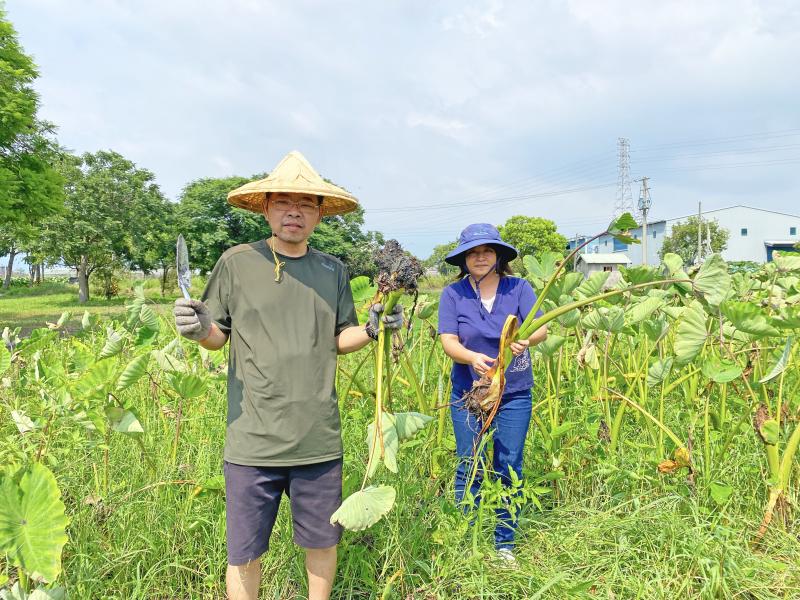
(342, 236)
(104, 196)
(682, 240)
(211, 225)
(30, 187)
(436, 259)
(532, 236)
(153, 239)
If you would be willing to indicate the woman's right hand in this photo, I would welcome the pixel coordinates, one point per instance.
(481, 363)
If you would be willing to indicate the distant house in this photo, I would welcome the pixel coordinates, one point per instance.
(599, 261)
(754, 234)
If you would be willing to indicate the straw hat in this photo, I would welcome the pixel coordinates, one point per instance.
(294, 175)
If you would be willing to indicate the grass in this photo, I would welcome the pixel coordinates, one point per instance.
(31, 307)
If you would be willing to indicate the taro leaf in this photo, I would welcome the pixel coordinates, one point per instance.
(593, 285)
(364, 508)
(426, 309)
(659, 371)
(770, 432)
(187, 385)
(789, 318)
(542, 268)
(747, 317)
(124, 421)
(655, 328)
(720, 492)
(620, 227)
(409, 423)
(780, 366)
(22, 421)
(624, 222)
(713, 280)
(640, 274)
(32, 522)
(362, 289)
(168, 362)
(61, 320)
(390, 445)
(133, 371)
(587, 356)
(5, 359)
(133, 310)
(787, 262)
(113, 345)
(570, 319)
(673, 263)
(610, 319)
(41, 593)
(565, 285)
(149, 318)
(673, 312)
(642, 310)
(147, 337)
(86, 320)
(721, 371)
(551, 344)
(690, 335)
(96, 381)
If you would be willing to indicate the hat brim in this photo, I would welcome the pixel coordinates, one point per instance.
(251, 197)
(456, 257)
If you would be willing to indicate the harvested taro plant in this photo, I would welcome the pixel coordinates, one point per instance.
(398, 274)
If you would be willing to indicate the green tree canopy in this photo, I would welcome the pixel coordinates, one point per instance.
(436, 259)
(532, 236)
(211, 225)
(30, 187)
(106, 209)
(682, 240)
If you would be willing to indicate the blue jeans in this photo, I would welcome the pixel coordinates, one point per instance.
(510, 426)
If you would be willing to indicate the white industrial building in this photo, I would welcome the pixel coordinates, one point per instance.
(754, 234)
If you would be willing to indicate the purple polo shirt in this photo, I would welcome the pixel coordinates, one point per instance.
(461, 313)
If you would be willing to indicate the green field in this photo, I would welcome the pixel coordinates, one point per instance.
(146, 512)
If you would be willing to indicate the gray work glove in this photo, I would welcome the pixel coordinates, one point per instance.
(192, 319)
(394, 320)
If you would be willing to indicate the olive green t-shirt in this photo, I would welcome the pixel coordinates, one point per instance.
(282, 407)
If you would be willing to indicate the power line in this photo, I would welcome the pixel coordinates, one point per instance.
(443, 205)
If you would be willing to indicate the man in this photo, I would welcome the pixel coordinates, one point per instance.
(287, 310)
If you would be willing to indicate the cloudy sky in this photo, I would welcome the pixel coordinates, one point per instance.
(438, 114)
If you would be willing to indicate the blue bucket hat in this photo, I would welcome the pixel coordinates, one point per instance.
(479, 234)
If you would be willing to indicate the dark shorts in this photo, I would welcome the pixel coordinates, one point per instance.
(252, 497)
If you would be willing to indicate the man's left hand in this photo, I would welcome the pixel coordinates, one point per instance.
(393, 320)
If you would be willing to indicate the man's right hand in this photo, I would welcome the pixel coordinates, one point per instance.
(192, 319)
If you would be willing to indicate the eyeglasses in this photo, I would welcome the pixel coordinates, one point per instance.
(307, 207)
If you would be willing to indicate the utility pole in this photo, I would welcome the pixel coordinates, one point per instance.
(699, 233)
(644, 208)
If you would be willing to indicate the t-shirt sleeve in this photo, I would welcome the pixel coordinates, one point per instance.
(448, 319)
(217, 294)
(345, 308)
(527, 298)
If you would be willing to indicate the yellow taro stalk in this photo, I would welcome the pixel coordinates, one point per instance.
(483, 399)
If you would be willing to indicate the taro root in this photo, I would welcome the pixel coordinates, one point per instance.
(483, 399)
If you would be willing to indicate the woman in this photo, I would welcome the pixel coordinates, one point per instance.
(471, 315)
